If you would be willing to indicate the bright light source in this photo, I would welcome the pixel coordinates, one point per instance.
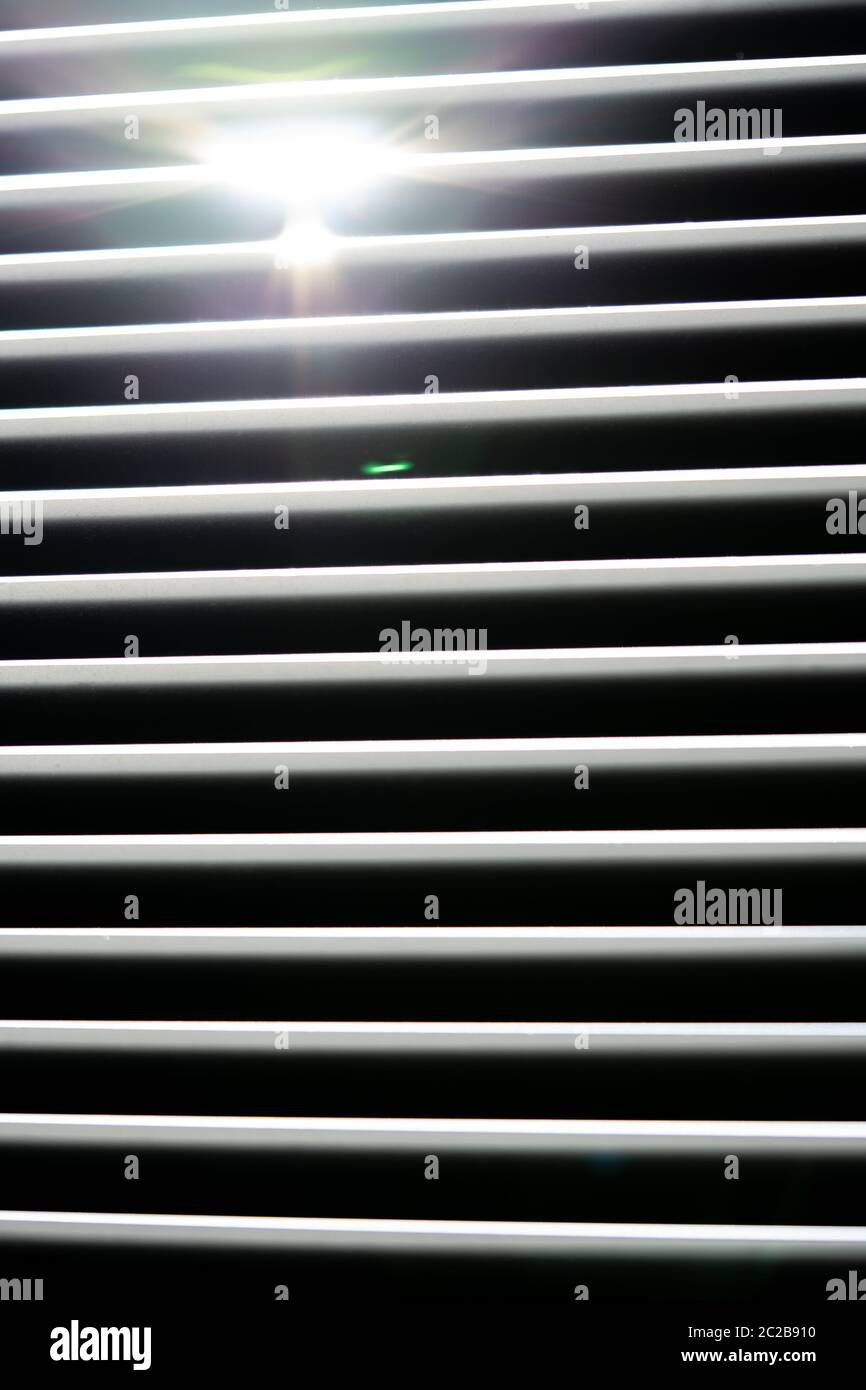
(300, 170)
(305, 240)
